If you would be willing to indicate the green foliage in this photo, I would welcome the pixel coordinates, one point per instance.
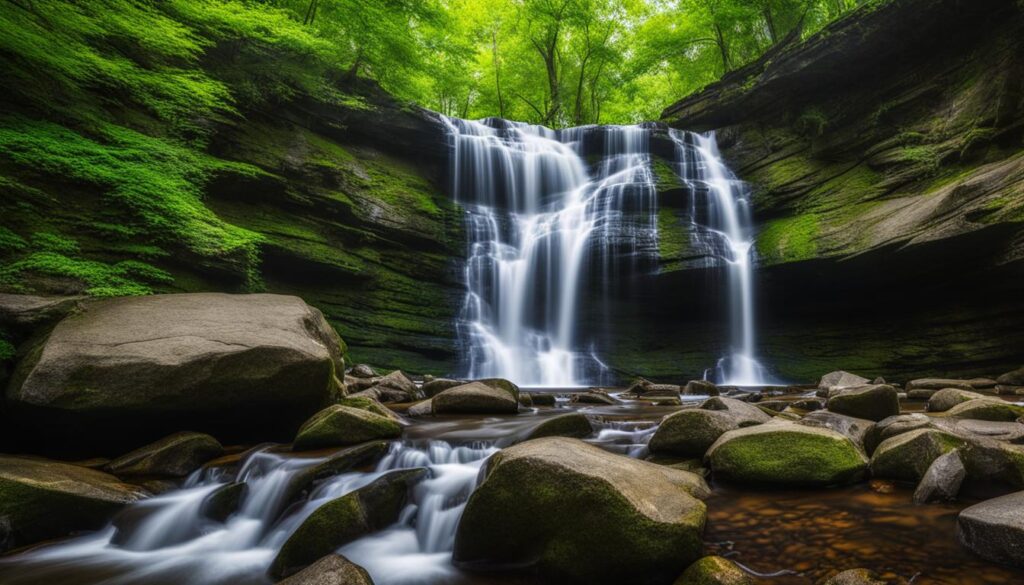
(127, 277)
(812, 122)
(789, 240)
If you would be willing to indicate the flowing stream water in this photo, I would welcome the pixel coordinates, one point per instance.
(554, 215)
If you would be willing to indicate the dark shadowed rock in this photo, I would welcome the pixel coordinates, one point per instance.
(700, 388)
(943, 400)
(690, 432)
(175, 456)
(475, 398)
(130, 368)
(542, 398)
(224, 501)
(1014, 378)
(576, 513)
(25, 313)
(335, 463)
(333, 569)
(41, 499)
(340, 426)
(906, 457)
(869, 402)
(714, 571)
(941, 482)
(345, 519)
(994, 529)
(438, 385)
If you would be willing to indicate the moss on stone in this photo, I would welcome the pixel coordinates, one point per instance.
(714, 570)
(789, 239)
(906, 457)
(339, 426)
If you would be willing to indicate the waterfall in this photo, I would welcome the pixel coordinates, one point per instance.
(725, 234)
(540, 222)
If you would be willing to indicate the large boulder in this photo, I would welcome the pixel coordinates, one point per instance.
(690, 432)
(578, 514)
(701, 388)
(573, 424)
(994, 529)
(42, 499)
(438, 385)
(342, 520)
(941, 482)
(475, 398)
(896, 425)
(174, 456)
(333, 569)
(871, 402)
(992, 409)
(906, 457)
(338, 426)
(787, 454)
(841, 379)
(714, 571)
(124, 371)
(943, 400)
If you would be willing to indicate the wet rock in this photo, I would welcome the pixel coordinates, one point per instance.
(943, 400)
(126, 370)
(342, 520)
(940, 383)
(41, 499)
(868, 402)
(576, 513)
(335, 463)
(1009, 390)
(992, 409)
(659, 390)
(855, 577)
(332, 569)
(841, 379)
(421, 408)
(592, 397)
(362, 371)
(994, 529)
(855, 429)
(340, 426)
(438, 385)
(784, 453)
(565, 425)
(1014, 378)
(690, 432)
(906, 457)
(700, 388)
(174, 456)
(921, 393)
(501, 384)
(773, 405)
(397, 387)
(714, 571)
(542, 398)
(896, 425)
(371, 405)
(355, 385)
(224, 501)
(808, 404)
(941, 482)
(1010, 432)
(475, 398)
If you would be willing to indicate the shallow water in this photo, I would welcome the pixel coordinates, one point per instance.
(799, 536)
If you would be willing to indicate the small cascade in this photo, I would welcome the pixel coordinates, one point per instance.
(723, 230)
(541, 224)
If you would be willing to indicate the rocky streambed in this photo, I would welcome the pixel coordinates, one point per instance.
(392, 479)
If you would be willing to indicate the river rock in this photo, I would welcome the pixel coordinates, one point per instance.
(992, 409)
(223, 501)
(592, 397)
(807, 404)
(576, 513)
(854, 577)
(971, 429)
(475, 398)
(941, 482)
(1004, 390)
(333, 569)
(896, 425)
(869, 402)
(855, 429)
(355, 385)
(342, 520)
(174, 456)
(41, 499)
(943, 400)
(501, 384)
(542, 398)
(788, 454)
(397, 387)
(1014, 378)
(841, 379)
(371, 405)
(438, 385)
(125, 370)
(690, 432)
(25, 313)
(994, 529)
(714, 571)
(700, 388)
(906, 457)
(340, 426)
(661, 390)
(335, 463)
(573, 424)
(940, 383)
(362, 371)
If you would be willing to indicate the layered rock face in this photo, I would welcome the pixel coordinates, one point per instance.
(885, 157)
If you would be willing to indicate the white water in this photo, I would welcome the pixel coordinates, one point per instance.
(166, 540)
(725, 233)
(539, 224)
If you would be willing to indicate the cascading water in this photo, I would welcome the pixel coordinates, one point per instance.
(725, 234)
(539, 223)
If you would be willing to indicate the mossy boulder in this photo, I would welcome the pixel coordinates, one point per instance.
(41, 499)
(573, 424)
(578, 514)
(174, 456)
(128, 370)
(906, 457)
(370, 404)
(871, 402)
(714, 570)
(340, 426)
(700, 388)
(992, 409)
(475, 398)
(332, 569)
(947, 398)
(690, 432)
(501, 384)
(783, 453)
(342, 520)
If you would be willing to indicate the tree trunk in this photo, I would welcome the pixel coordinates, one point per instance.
(577, 114)
(310, 12)
(497, 72)
(772, 33)
(722, 48)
